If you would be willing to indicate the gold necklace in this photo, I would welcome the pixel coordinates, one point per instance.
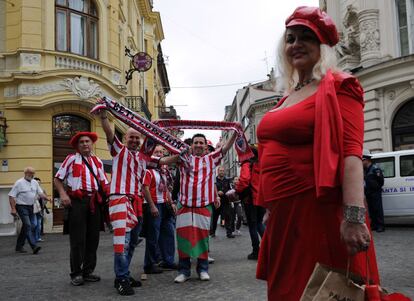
(304, 83)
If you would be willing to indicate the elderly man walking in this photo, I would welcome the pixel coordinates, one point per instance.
(22, 197)
(86, 181)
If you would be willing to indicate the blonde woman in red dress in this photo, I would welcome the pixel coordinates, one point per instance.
(310, 148)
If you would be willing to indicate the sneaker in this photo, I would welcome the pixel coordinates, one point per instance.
(166, 266)
(21, 251)
(211, 260)
(237, 232)
(230, 235)
(77, 280)
(253, 255)
(212, 235)
(36, 249)
(181, 278)
(91, 278)
(153, 270)
(40, 240)
(123, 287)
(204, 276)
(134, 283)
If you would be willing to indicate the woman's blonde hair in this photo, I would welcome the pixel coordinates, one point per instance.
(288, 75)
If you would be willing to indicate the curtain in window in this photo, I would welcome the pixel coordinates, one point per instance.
(94, 39)
(77, 34)
(61, 31)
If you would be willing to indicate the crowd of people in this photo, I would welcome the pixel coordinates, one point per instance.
(301, 195)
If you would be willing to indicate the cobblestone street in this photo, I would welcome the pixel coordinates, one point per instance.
(45, 276)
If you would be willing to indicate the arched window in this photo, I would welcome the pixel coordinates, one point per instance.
(403, 127)
(77, 27)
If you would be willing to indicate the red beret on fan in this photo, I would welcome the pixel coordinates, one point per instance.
(316, 20)
(75, 139)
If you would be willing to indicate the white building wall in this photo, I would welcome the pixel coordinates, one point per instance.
(387, 78)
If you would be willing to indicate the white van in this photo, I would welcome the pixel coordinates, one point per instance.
(398, 189)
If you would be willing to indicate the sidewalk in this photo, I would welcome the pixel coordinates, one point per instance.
(45, 276)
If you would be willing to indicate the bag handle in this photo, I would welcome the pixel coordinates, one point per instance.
(368, 270)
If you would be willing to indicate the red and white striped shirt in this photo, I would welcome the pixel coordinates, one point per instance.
(197, 182)
(127, 169)
(157, 184)
(78, 174)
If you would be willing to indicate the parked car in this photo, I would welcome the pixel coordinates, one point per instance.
(398, 189)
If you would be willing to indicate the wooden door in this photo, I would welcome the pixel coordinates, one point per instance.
(64, 127)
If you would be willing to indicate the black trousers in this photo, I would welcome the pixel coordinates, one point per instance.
(84, 227)
(376, 212)
(227, 212)
(214, 219)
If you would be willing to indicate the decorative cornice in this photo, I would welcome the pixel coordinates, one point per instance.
(83, 87)
(151, 16)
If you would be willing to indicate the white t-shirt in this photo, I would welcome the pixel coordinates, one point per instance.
(25, 192)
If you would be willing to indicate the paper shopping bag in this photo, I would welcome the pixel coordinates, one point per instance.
(315, 281)
(337, 286)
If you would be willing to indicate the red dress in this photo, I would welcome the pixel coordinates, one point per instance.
(303, 228)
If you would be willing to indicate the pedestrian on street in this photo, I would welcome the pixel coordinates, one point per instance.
(236, 205)
(22, 197)
(247, 187)
(39, 209)
(160, 236)
(197, 194)
(374, 180)
(311, 175)
(125, 201)
(227, 211)
(85, 178)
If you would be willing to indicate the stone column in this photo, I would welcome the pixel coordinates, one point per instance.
(369, 37)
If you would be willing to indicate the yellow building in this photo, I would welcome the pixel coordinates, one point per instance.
(56, 58)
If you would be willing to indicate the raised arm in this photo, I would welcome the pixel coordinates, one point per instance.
(229, 143)
(169, 160)
(110, 136)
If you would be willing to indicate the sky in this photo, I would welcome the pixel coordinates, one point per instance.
(215, 47)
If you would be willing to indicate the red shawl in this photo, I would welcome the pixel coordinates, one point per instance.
(328, 148)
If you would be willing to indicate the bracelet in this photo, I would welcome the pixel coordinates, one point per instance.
(354, 214)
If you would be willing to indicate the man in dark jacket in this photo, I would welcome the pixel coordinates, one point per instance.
(223, 185)
(374, 180)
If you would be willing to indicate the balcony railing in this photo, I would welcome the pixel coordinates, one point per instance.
(69, 62)
(167, 112)
(137, 104)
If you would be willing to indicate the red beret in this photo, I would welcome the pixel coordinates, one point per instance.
(75, 139)
(318, 21)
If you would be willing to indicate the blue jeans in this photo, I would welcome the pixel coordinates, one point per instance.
(160, 243)
(27, 216)
(38, 225)
(254, 215)
(123, 260)
(184, 266)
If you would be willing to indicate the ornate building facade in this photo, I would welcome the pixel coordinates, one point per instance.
(248, 107)
(377, 46)
(56, 58)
